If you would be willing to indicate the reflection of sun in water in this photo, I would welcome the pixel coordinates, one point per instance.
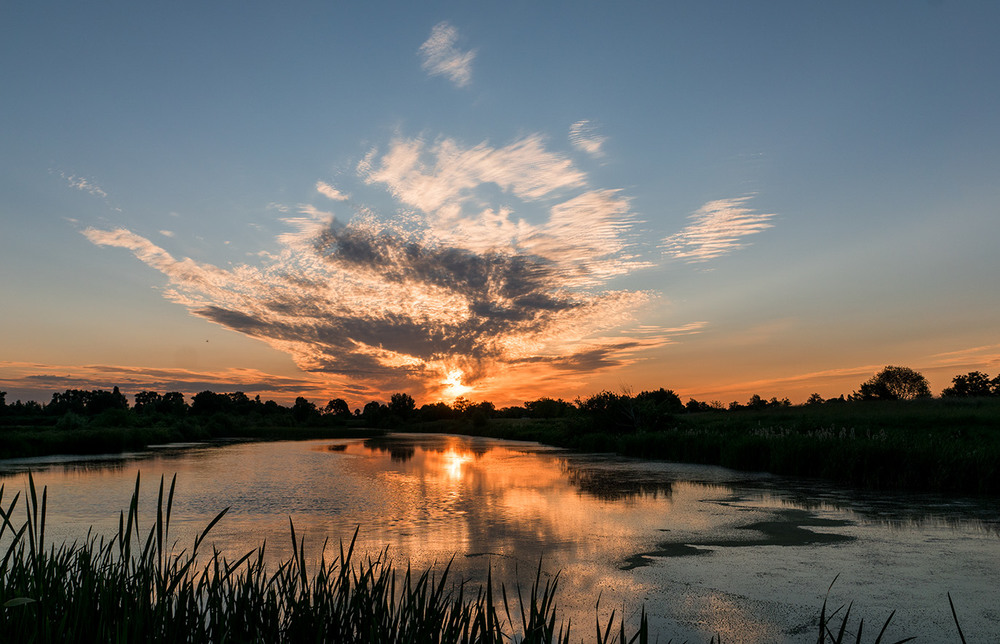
(453, 384)
(453, 463)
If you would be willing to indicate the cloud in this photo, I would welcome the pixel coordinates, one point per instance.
(716, 229)
(34, 381)
(456, 283)
(442, 58)
(330, 192)
(439, 178)
(583, 136)
(167, 233)
(85, 185)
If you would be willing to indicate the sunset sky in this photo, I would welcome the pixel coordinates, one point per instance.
(501, 200)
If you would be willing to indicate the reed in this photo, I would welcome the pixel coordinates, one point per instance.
(133, 587)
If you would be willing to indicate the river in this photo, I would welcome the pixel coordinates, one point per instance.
(707, 551)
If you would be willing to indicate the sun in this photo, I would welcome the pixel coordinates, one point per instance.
(453, 384)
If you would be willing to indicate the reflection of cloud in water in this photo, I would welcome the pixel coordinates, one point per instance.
(486, 504)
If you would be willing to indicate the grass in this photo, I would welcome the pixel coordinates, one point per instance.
(944, 445)
(949, 446)
(134, 587)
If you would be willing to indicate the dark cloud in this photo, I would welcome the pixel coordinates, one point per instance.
(590, 360)
(447, 293)
(523, 280)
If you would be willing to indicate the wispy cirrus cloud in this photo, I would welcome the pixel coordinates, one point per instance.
(461, 285)
(441, 57)
(38, 381)
(438, 178)
(83, 184)
(330, 192)
(583, 135)
(717, 228)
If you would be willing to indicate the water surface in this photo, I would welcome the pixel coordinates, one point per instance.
(708, 551)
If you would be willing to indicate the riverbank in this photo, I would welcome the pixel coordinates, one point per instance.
(24, 442)
(948, 446)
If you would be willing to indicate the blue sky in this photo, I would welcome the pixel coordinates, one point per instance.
(497, 199)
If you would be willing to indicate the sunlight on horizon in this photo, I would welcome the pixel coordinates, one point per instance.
(453, 385)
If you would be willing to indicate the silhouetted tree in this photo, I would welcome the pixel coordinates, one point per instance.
(514, 411)
(29, 408)
(814, 399)
(461, 404)
(664, 400)
(71, 400)
(303, 410)
(478, 412)
(692, 406)
(548, 408)
(206, 403)
(401, 405)
(147, 402)
(974, 383)
(894, 383)
(173, 403)
(88, 403)
(240, 404)
(104, 400)
(435, 411)
(3, 402)
(374, 413)
(337, 407)
(608, 411)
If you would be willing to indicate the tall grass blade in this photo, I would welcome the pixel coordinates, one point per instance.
(954, 616)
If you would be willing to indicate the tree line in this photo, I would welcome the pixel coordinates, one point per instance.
(614, 412)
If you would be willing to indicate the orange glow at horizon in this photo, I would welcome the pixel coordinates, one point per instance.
(453, 385)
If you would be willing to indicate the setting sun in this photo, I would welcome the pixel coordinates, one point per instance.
(453, 385)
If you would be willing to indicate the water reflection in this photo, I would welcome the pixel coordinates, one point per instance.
(611, 485)
(767, 547)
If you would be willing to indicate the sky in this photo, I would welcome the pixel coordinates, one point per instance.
(500, 201)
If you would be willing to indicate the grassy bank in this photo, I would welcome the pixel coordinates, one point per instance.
(946, 445)
(133, 587)
(950, 446)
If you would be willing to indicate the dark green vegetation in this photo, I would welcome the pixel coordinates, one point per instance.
(936, 445)
(890, 434)
(99, 422)
(133, 587)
